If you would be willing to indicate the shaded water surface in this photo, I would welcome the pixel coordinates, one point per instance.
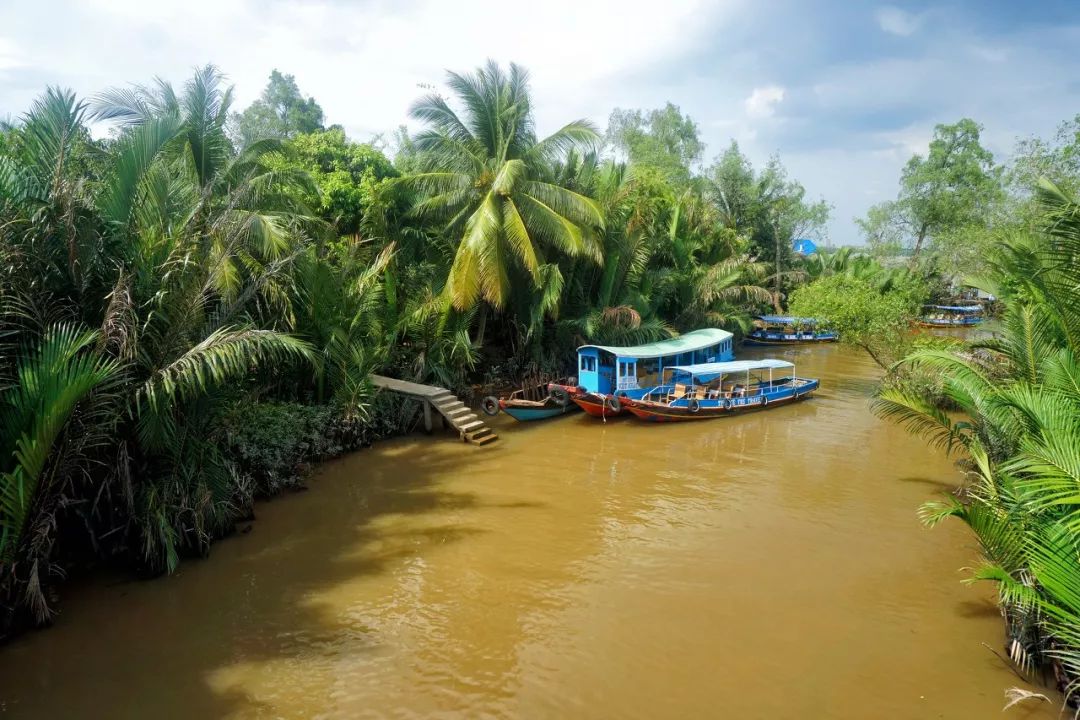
(764, 566)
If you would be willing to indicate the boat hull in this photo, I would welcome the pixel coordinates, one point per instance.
(530, 413)
(949, 323)
(792, 339)
(594, 404)
(710, 409)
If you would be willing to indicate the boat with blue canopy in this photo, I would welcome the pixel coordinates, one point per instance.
(951, 315)
(719, 389)
(608, 376)
(788, 330)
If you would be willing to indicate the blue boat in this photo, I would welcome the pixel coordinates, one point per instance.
(951, 315)
(534, 402)
(608, 376)
(787, 330)
(720, 389)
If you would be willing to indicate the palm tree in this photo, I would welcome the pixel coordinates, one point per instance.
(179, 252)
(1019, 395)
(483, 174)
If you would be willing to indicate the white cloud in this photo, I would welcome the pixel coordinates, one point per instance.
(10, 56)
(364, 62)
(763, 101)
(895, 21)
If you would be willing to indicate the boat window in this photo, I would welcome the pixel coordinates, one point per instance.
(588, 363)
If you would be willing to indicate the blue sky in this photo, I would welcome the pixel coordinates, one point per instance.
(844, 92)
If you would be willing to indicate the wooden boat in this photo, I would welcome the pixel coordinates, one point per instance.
(787, 330)
(711, 390)
(610, 376)
(536, 401)
(949, 316)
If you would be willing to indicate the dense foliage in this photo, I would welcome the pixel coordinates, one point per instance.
(1009, 405)
(191, 306)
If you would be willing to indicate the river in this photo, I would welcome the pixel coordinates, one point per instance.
(764, 566)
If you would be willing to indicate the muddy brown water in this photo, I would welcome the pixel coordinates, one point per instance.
(764, 566)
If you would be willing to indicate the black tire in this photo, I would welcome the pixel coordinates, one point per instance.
(764, 401)
(490, 405)
(612, 404)
(693, 405)
(559, 396)
(727, 403)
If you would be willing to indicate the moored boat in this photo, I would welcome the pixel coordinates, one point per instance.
(609, 377)
(538, 401)
(787, 330)
(720, 389)
(951, 315)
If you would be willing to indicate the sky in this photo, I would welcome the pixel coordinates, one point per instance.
(843, 91)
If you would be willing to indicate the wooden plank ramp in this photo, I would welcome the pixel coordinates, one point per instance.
(454, 412)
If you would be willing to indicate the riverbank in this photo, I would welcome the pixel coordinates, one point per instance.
(576, 569)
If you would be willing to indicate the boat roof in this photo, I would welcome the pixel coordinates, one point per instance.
(957, 308)
(734, 366)
(785, 319)
(687, 342)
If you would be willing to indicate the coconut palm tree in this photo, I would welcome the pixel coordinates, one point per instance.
(1019, 397)
(484, 175)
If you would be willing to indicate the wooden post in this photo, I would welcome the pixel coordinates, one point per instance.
(427, 416)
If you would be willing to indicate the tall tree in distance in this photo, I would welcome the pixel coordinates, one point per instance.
(281, 112)
(953, 186)
(734, 189)
(664, 139)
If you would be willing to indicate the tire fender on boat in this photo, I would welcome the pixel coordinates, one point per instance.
(693, 405)
(613, 404)
(727, 403)
(490, 405)
(559, 395)
(764, 401)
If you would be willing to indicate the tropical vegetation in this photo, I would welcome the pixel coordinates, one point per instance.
(193, 297)
(1007, 406)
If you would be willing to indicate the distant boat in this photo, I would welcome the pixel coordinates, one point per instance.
(711, 390)
(787, 330)
(609, 376)
(951, 315)
(538, 401)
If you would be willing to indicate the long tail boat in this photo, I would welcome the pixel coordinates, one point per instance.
(537, 401)
(721, 389)
(609, 377)
(951, 315)
(787, 330)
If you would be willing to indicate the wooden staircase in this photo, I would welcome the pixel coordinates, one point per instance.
(461, 418)
(454, 412)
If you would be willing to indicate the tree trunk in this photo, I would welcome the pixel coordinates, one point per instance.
(776, 279)
(919, 238)
(481, 325)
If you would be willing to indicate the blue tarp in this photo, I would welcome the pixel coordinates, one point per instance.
(804, 246)
(786, 320)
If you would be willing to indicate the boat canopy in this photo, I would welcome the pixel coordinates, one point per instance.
(956, 308)
(687, 342)
(786, 320)
(715, 370)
